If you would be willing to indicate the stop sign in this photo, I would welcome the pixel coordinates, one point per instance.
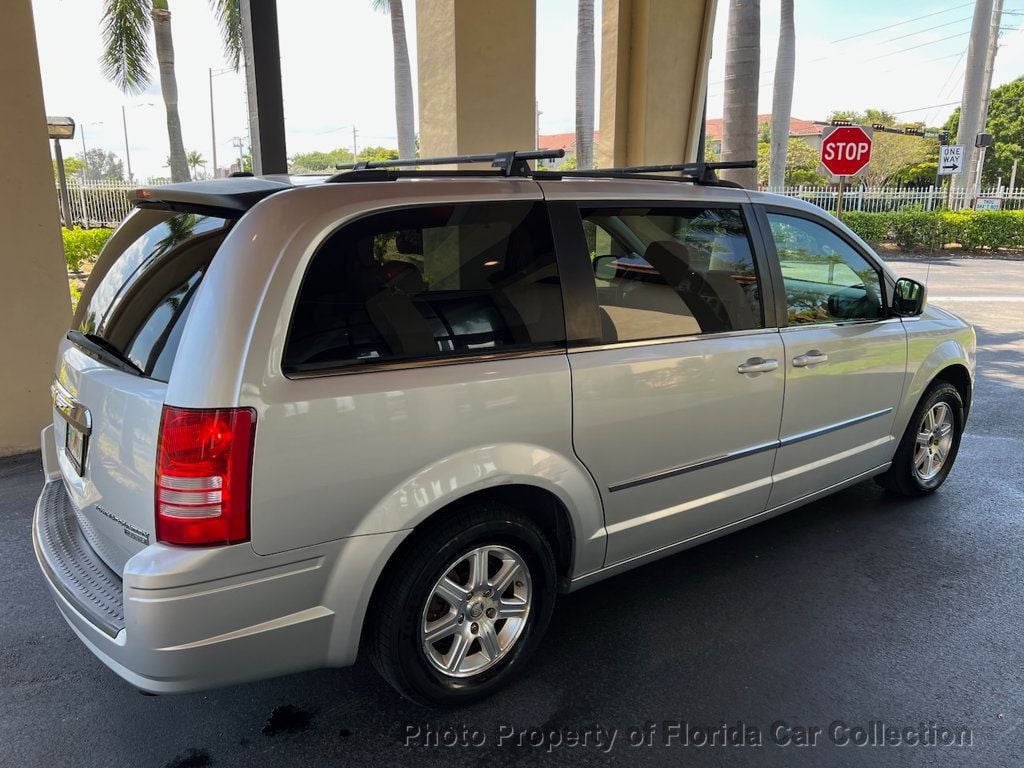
(846, 150)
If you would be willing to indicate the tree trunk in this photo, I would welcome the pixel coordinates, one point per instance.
(403, 83)
(585, 85)
(742, 70)
(782, 96)
(169, 88)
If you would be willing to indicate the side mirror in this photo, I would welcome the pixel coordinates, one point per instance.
(908, 298)
(605, 267)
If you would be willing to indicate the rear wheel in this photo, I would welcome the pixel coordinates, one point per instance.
(465, 608)
(929, 446)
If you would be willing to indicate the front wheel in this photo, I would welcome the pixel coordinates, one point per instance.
(463, 611)
(929, 446)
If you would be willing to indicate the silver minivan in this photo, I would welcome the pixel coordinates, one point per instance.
(395, 412)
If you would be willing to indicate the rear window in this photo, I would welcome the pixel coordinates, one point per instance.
(144, 292)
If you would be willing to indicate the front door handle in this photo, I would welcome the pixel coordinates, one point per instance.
(813, 357)
(757, 365)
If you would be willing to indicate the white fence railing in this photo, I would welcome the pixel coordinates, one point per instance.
(876, 199)
(97, 203)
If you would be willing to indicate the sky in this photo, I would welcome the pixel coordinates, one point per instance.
(337, 70)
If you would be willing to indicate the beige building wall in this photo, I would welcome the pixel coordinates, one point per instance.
(35, 307)
(477, 65)
(654, 63)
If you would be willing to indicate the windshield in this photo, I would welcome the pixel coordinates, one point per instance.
(142, 297)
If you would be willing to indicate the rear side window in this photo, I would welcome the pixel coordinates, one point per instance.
(429, 282)
(142, 298)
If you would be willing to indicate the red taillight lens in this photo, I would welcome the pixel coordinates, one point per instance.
(203, 469)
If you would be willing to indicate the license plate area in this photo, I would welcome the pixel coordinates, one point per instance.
(77, 426)
(74, 446)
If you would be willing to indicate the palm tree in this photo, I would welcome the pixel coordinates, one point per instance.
(782, 96)
(403, 77)
(585, 84)
(742, 69)
(195, 159)
(229, 19)
(127, 61)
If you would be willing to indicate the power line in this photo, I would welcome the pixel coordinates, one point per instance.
(922, 109)
(901, 23)
(919, 45)
(929, 29)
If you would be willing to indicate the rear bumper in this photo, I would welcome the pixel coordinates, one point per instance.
(184, 619)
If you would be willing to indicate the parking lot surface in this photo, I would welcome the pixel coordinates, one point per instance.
(858, 609)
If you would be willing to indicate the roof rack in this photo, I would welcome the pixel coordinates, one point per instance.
(514, 163)
(698, 173)
(511, 163)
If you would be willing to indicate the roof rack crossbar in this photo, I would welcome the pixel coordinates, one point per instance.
(511, 163)
(700, 173)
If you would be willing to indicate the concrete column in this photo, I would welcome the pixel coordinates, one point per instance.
(263, 84)
(35, 307)
(654, 64)
(477, 64)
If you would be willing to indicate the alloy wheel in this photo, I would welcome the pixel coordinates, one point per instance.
(477, 611)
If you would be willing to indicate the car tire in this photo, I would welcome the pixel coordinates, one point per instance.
(441, 632)
(930, 444)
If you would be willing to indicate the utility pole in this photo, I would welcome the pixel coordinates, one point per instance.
(971, 116)
(85, 155)
(978, 157)
(213, 126)
(355, 145)
(127, 151)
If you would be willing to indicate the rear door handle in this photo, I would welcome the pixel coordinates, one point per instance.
(813, 357)
(757, 365)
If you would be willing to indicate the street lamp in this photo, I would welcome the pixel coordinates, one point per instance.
(213, 127)
(124, 125)
(61, 128)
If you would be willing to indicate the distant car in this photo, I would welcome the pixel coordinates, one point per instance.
(399, 411)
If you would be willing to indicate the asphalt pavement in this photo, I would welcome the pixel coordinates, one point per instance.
(788, 636)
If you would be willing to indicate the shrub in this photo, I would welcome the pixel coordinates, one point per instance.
(872, 227)
(81, 245)
(993, 229)
(915, 229)
(951, 225)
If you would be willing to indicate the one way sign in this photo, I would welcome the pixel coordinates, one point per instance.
(951, 159)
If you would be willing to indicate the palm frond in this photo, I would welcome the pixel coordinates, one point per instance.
(381, 6)
(229, 19)
(126, 57)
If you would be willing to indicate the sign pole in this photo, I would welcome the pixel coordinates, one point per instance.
(839, 197)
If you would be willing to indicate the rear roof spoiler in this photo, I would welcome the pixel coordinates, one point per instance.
(226, 197)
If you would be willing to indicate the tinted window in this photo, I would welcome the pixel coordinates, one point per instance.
(826, 280)
(664, 272)
(141, 299)
(426, 282)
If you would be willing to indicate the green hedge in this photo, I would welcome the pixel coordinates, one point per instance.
(914, 229)
(82, 245)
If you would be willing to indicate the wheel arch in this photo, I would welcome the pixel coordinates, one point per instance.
(951, 361)
(957, 375)
(541, 505)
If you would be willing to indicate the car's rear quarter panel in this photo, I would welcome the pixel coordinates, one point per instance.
(380, 450)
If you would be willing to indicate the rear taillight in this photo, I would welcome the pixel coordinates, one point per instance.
(203, 469)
